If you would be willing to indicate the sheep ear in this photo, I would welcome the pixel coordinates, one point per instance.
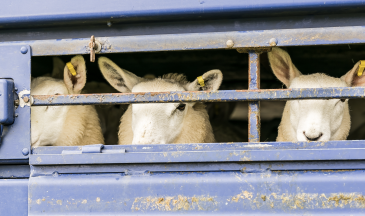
(352, 78)
(282, 66)
(212, 81)
(122, 80)
(58, 67)
(76, 83)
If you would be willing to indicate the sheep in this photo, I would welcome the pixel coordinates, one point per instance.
(161, 123)
(312, 120)
(64, 125)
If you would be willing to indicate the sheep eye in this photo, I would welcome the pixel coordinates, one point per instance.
(343, 100)
(181, 107)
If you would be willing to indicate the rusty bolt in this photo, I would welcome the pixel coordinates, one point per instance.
(229, 43)
(273, 42)
(26, 99)
(16, 102)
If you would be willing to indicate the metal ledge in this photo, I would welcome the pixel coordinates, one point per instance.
(205, 152)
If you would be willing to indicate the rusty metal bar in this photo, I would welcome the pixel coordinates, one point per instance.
(254, 106)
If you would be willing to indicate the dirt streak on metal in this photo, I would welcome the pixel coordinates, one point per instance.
(286, 201)
(175, 203)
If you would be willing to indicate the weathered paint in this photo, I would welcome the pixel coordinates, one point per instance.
(192, 193)
(203, 152)
(254, 106)
(202, 96)
(199, 41)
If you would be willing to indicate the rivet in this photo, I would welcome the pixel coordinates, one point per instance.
(109, 24)
(24, 50)
(16, 115)
(273, 42)
(229, 43)
(26, 99)
(25, 151)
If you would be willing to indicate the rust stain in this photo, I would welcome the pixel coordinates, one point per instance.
(174, 203)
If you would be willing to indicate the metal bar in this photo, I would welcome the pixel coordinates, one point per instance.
(257, 167)
(206, 152)
(199, 41)
(201, 96)
(254, 106)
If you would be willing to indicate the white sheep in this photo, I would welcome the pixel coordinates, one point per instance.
(160, 123)
(312, 120)
(64, 125)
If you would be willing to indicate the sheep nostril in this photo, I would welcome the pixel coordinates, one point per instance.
(313, 138)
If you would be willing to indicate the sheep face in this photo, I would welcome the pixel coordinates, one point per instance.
(47, 122)
(312, 120)
(156, 123)
(317, 120)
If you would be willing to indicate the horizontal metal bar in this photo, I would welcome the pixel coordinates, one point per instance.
(198, 96)
(207, 152)
(198, 41)
(254, 167)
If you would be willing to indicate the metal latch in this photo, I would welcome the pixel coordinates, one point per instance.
(93, 149)
(95, 47)
(7, 101)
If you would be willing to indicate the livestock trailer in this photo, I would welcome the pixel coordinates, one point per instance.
(240, 175)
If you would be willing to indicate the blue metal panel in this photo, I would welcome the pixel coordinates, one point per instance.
(16, 66)
(198, 193)
(6, 101)
(199, 41)
(14, 197)
(22, 13)
(14, 171)
(203, 152)
(194, 96)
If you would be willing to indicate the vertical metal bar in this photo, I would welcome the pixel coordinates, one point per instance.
(254, 106)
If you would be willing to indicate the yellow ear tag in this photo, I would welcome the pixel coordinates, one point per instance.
(201, 81)
(71, 68)
(361, 68)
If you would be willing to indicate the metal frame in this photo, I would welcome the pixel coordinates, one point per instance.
(253, 42)
(103, 178)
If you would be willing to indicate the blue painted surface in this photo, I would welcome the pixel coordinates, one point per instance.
(14, 171)
(199, 193)
(193, 96)
(6, 101)
(254, 106)
(16, 137)
(14, 197)
(203, 152)
(21, 13)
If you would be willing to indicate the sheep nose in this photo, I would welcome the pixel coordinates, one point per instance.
(313, 138)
